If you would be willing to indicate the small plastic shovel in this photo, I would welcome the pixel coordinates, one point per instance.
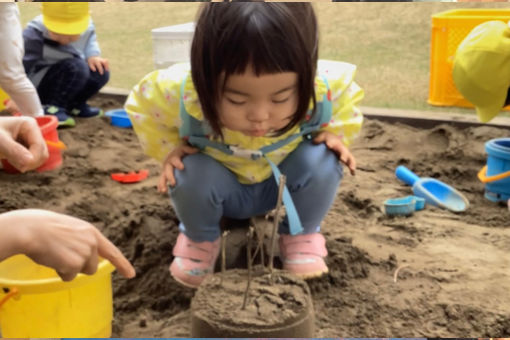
(434, 191)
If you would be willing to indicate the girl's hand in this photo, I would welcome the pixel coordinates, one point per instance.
(67, 244)
(335, 144)
(98, 64)
(173, 161)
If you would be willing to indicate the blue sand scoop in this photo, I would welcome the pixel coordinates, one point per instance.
(433, 191)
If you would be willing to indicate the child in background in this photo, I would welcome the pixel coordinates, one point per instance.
(481, 68)
(13, 79)
(63, 60)
(251, 83)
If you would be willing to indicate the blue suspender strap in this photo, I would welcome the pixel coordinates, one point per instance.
(202, 142)
(327, 106)
(283, 142)
(295, 225)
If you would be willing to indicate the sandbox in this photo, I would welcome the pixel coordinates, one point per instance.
(435, 273)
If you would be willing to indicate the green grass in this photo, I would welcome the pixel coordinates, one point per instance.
(389, 42)
(124, 33)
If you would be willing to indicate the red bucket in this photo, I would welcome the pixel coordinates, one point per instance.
(48, 126)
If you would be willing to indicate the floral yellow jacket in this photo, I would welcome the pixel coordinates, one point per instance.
(153, 107)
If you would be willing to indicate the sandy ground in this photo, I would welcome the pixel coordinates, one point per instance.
(453, 277)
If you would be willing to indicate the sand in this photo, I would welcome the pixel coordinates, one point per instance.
(453, 268)
(276, 304)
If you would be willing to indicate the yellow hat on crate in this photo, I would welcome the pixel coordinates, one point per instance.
(66, 17)
(481, 68)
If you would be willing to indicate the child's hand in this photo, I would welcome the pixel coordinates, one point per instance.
(98, 64)
(335, 144)
(173, 161)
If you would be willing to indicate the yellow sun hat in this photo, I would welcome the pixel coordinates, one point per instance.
(481, 68)
(66, 17)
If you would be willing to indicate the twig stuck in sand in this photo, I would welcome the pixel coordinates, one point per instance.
(250, 260)
(258, 231)
(395, 275)
(260, 237)
(283, 179)
(223, 254)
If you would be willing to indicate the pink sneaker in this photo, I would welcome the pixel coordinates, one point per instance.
(303, 255)
(193, 260)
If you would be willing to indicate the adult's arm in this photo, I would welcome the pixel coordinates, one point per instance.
(65, 243)
(13, 78)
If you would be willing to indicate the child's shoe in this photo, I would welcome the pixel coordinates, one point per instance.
(193, 260)
(85, 111)
(61, 114)
(303, 255)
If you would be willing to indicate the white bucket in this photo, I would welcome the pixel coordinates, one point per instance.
(172, 44)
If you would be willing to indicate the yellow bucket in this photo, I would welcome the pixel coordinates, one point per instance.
(3, 97)
(36, 303)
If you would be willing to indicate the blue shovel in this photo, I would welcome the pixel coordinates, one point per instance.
(433, 191)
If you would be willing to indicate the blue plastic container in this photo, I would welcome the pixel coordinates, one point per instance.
(419, 203)
(119, 117)
(402, 206)
(496, 174)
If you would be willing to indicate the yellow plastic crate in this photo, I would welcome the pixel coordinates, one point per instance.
(449, 28)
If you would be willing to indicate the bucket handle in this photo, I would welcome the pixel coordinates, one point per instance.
(482, 175)
(56, 145)
(9, 295)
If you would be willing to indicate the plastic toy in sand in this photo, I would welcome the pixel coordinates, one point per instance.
(48, 126)
(433, 191)
(4, 98)
(496, 173)
(119, 117)
(403, 206)
(130, 177)
(59, 145)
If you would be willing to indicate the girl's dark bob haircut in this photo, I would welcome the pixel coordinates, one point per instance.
(271, 37)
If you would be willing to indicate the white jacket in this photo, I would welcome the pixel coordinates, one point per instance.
(13, 79)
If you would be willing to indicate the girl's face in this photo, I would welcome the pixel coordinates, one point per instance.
(257, 105)
(63, 39)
